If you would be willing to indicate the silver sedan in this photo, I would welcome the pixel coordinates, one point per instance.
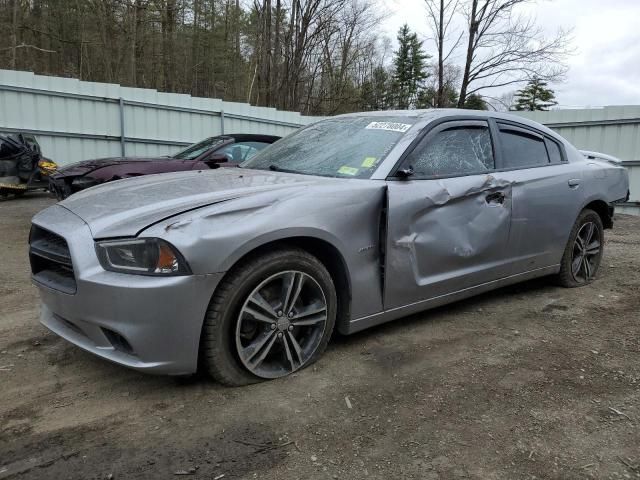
(347, 223)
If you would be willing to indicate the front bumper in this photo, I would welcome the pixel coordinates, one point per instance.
(151, 324)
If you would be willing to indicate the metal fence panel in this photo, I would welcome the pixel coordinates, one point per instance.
(76, 120)
(614, 130)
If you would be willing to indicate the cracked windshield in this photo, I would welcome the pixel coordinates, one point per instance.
(349, 147)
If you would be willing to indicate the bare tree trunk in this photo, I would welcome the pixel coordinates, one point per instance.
(274, 81)
(168, 26)
(14, 35)
(238, 57)
(473, 30)
(80, 22)
(440, 33)
(195, 48)
(134, 39)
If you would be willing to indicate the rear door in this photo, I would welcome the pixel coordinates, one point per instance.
(547, 194)
(448, 223)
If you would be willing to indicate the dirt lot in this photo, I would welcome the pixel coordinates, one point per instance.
(531, 381)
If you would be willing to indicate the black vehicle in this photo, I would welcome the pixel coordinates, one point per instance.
(22, 166)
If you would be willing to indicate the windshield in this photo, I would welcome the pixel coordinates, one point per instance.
(348, 147)
(197, 149)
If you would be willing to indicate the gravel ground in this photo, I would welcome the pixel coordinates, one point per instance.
(530, 381)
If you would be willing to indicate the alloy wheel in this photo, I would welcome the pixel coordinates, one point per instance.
(281, 324)
(586, 252)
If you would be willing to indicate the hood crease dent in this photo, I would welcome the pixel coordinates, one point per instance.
(125, 208)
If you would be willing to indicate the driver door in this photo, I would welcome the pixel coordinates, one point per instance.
(448, 222)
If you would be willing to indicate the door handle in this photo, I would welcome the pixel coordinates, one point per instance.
(574, 182)
(495, 197)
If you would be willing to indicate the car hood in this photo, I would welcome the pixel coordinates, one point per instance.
(88, 166)
(126, 207)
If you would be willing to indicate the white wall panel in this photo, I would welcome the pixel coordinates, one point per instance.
(76, 120)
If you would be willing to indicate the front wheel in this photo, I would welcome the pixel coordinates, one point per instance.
(272, 316)
(583, 252)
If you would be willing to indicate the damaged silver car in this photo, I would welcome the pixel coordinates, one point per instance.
(347, 223)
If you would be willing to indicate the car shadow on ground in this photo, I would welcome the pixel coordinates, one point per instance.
(339, 341)
(535, 286)
(70, 355)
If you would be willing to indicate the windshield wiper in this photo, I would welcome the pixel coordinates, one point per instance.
(275, 168)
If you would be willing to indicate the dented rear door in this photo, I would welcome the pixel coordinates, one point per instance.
(447, 234)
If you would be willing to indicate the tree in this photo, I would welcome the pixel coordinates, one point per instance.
(440, 14)
(504, 48)
(375, 91)
(410, 68)
(535, 96)
(318, 57)
(475, 102)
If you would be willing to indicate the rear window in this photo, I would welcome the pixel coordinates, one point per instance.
(521, 149)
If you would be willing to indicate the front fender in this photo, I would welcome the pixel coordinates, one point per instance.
(214, 238)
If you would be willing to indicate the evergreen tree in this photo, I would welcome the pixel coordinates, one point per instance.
(410, 70)
(475, 102)
(374, 93)
(428, 97)
(535, 96)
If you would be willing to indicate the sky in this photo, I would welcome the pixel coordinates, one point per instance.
(605, 68)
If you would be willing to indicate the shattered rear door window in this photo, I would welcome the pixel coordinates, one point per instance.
(457, 150)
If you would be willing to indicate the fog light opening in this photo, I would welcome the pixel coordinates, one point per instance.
(118, 341)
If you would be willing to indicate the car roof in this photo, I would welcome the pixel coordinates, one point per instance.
(251, 137)
(437, 113)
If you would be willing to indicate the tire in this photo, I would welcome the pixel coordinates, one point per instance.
(568, 276)
(230, 323)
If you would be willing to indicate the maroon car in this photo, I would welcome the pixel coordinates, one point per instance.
(224, 150)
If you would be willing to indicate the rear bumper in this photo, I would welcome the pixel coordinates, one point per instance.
(151, 324)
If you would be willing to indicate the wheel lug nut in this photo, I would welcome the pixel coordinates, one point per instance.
(273, 326)
(279, 334)
(279, 313)
(290, 328)
(290, 314)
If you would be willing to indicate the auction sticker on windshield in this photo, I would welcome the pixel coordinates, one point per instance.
(391, 126)
(345, 170)
(369, 162)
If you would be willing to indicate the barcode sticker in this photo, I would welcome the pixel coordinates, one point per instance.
(391, 126)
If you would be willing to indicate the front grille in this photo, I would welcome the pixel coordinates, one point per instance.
(50, 260)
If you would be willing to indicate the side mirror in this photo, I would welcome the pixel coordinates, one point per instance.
(217, 158)
(405, 172)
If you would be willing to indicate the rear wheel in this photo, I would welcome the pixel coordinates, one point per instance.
(583, 252)
(270, 317)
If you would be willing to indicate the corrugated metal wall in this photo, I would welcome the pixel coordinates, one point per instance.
(76, 120)
(614, 130)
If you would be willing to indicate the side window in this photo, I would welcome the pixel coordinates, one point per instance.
(457, 150)
(253, 148)
(555, 154)
(241, 151)
(521, 149)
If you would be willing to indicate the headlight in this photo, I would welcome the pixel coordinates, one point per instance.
(142, 256)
